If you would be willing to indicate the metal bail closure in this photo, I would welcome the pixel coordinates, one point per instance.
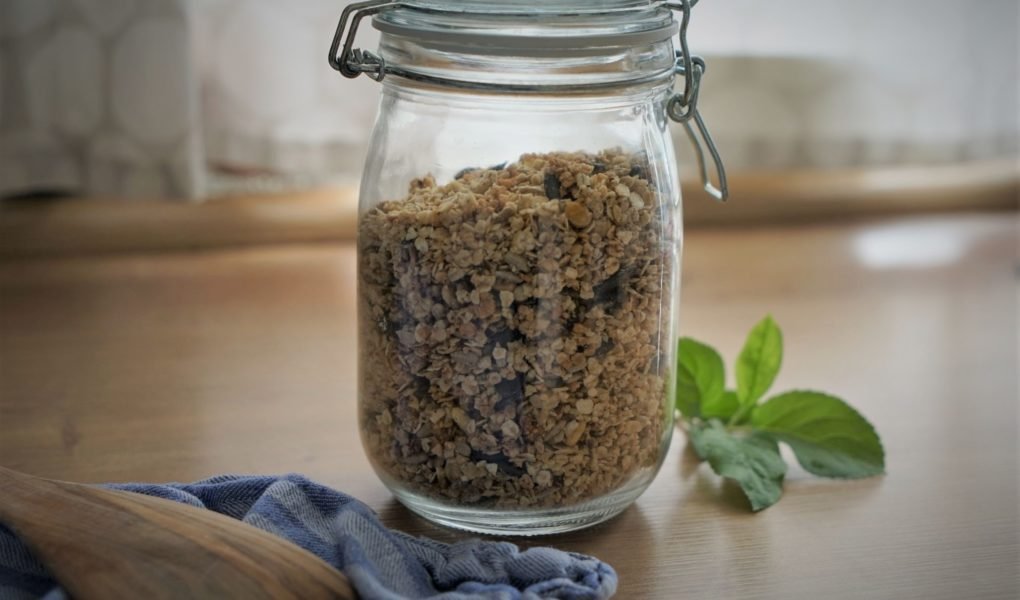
(683, 108)
(352, 61)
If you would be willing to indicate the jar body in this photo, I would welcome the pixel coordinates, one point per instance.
(518, 284)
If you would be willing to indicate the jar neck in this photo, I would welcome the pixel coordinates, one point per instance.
(610, 69)
(444, 97)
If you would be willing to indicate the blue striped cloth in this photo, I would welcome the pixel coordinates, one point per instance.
(380, 563)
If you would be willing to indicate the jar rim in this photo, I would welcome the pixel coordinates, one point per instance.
(545, 33)
(531, 7)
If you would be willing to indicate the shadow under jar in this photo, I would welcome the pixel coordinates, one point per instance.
(519, 253)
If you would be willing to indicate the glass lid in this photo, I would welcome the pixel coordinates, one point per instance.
(528, 26)
(531, 7)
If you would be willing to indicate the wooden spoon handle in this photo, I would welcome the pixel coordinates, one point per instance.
(101, 543)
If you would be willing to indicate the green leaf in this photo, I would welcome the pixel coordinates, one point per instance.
(829, 437)
(759, 361)
(697, 437)
(701, 376)
(722, 407)
(754, 461)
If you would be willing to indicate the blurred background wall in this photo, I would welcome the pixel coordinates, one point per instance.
(99, 97)
(186, 99)
(826, 83)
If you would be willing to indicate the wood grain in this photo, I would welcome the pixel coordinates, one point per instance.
(180, 366)
(105, 544)
(95, 226)
(805, 195)
(77, 226)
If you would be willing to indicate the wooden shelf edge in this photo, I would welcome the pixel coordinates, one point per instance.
(811, 195)
(91, 226)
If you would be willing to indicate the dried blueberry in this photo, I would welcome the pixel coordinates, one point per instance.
(613, 291)
(421, 387)
(552, 186)
(408, 254)
(531, 302)
(460, 174)
(510, 391)
(503, 337)
(500, 460)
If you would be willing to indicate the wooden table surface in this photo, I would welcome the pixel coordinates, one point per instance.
(179, 366)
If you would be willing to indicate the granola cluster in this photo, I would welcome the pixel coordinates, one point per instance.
(515, 343)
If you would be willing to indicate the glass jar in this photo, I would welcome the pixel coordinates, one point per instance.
(519, 255)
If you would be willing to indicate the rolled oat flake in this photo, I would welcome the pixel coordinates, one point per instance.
(519, 252)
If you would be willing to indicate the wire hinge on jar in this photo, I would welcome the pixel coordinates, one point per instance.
(352, 61)
(681, 107)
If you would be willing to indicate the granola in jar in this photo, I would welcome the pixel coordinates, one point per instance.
(512, 350)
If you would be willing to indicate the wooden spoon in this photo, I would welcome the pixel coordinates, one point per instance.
(101, 543)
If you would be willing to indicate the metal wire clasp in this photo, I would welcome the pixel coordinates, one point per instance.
(683, 107)
(352, 61)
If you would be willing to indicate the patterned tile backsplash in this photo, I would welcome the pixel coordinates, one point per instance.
(99, 97)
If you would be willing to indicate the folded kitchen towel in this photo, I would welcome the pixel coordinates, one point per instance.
(379, 562)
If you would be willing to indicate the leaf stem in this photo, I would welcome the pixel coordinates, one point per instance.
(739, 415)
